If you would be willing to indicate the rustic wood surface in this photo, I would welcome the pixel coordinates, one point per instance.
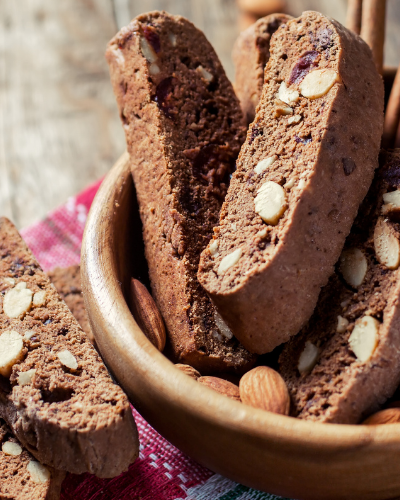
(59, 127)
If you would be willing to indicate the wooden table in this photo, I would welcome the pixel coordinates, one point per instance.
(59, 126)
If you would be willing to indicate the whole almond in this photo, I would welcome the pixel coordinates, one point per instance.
(263, 387)
(147, 315)
(222, 386)
(188, 370)
(388, 416)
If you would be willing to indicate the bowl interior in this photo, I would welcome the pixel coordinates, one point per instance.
(273, 453)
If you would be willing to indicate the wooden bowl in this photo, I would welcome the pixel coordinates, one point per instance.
(273, 453)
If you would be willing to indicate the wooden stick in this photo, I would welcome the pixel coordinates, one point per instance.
(397, 140)
(392, 116)
(353, 17)
(373, 28)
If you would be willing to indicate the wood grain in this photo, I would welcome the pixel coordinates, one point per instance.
(353, 16)
(373, 28)
(59, 126)
(59, 129)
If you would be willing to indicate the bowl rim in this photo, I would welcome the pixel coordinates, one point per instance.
(104, 299)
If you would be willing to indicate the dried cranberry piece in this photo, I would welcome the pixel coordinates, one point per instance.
(303, 140)
(164, 95)
(152, 37)
(303, 66)
(255, 132)
(348, 165)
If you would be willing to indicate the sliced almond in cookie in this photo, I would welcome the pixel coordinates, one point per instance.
(39, 473)
(229, 260)
(308, 358)
(318, 83)
(270, 202)
(11, 448)
(387, 247)
(17, 301)
(353, 266)
(391, 206)
(68, 359)
(364, 338)
(11, 351)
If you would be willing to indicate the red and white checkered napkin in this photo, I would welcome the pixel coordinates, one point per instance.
(161, 472)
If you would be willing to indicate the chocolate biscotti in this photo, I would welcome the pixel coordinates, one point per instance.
(184, 129)
(55, 392)
(250, 55)
(67, 281)
(21, 476)
(345, 362)
(305, 167)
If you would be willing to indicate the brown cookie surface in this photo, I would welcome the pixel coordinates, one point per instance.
(67, 281)
(184, 129)
(21, 476)
(305, 167)
(55, 392)
(345, 381)
(250, 55)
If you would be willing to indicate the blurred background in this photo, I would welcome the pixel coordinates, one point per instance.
(59, 126)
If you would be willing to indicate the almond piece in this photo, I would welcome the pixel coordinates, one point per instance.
(388, 416)
(39, 473)
(308, 358)
(387, 248)
(342, 324)
(270, 203)
(68, 359)
(391, 207)
(282, 109)
(147, 50)
(353, 266)
(147, 315)
(11, 351)
(265, 164)
(17, 301)
(289, 96)
(188, 370)
(222, 386)
(318, 83)
(364, 338)
(229, 260)
(222, 326)
(11, 448)
(263, 387)
(25, 378)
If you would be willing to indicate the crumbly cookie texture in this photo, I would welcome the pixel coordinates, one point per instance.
(305, 167)
(67, 281)
(22, 477)
(250, 55)
(55, 392)
(355, 328)
(184, 129)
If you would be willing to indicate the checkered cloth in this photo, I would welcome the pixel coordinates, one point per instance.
(161, 472)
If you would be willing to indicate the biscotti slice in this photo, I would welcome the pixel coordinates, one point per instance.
(55, 392)
(184, 129)
(345, 363)
(250, 55)
(305, 167)
(21, 476)
(67, 281)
